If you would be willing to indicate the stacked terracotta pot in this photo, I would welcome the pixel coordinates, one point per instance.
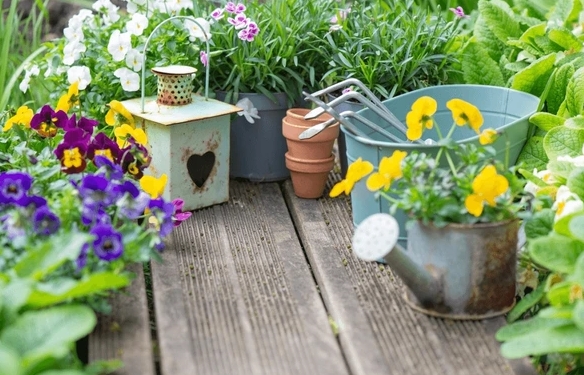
(309, 160)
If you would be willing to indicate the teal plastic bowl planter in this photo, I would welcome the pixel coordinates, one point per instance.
(503, 109)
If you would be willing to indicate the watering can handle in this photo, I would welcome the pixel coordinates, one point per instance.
(142, 82)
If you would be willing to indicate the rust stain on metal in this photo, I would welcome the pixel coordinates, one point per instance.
(493, 278)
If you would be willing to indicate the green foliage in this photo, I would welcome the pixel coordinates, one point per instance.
(385, 44)
(19, 39)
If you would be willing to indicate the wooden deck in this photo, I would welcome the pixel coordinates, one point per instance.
(267, 284)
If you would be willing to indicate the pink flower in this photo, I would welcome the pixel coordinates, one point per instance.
(245, 35)
(230, 7)
(240, 8)
(459, 12)
(252, 28)
(179, 216)
(348, 89)
(239, 22)
(204, 58)
(217, 14)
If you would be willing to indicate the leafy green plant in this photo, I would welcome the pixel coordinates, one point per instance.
(19, 40)
(387, 45)
(278, 60)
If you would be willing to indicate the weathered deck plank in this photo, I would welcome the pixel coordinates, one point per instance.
(378, 332)
(125, 333)
(235, 294)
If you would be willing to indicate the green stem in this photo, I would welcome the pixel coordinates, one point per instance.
(388, 197)
(439, 132)
(451, 163)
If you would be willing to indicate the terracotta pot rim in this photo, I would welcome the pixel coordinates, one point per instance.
(336, 124)
(309, 161)
(472, 226)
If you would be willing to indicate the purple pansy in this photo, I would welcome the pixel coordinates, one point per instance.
(108, 244)
(45, 222)
(163, 211)
(47, 121)
(14, 187)
(179, 216)
(102, 145)
(84, 124)
(77, 135)
(96, 193)
(133, 201)
(135, 159)
(111, 170)
(72, 156)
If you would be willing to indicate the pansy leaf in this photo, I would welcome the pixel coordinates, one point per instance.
(525, 327)
(575, 94)
(556, 252)
(527, 302)
(563, 339)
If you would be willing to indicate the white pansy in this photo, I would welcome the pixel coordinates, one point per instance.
(134, 6)
(200, 30)
(134, 60)
(249, 111)
(109, 11)
(72, 52)
(119, 45)
(130, 80)
(77, 20)
(545, 175)
(79, 74)
(137, 24)
(566, 203)
(32, 71)
(73, 34)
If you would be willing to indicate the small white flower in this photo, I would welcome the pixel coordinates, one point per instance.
(76, 22)
(80, 74)
(566, 203)
(134, 59)
(137, 24)
(130, 80)
(134, 5)
(33, 71)
(72, 52)
(119, 45)
(202, 32)
(109, 11)
(73, 34)
(249, 111)
(335, 28)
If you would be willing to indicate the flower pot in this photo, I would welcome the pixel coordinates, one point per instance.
(318, 147)
(475, 263)
(503, 109)
(257, 150)
(309, 176)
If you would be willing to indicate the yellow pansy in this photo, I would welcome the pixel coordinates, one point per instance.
(356, 171)
(465, 113)
(389, 170)
(22, 117)
(488, 136)
(72, 158)
(70, 99)
(420, 116)
(118, 114)
(486, 187)
(126, 130)
(154, 186)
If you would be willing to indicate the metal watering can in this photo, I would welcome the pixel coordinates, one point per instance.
(460, 271)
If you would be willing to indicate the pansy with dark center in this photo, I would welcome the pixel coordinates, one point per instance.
(47, 121)
(96, 193)
(135, 159)
(14, 187)
(72, 156)
(108, 244)
(45, 222)
(102, 145)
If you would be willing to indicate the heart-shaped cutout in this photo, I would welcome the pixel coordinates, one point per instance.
(200, 167)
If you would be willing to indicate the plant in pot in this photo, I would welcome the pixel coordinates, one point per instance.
(463, 205)
(265, 77)
(392, 46)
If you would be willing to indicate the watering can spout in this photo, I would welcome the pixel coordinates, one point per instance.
(376, 238)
